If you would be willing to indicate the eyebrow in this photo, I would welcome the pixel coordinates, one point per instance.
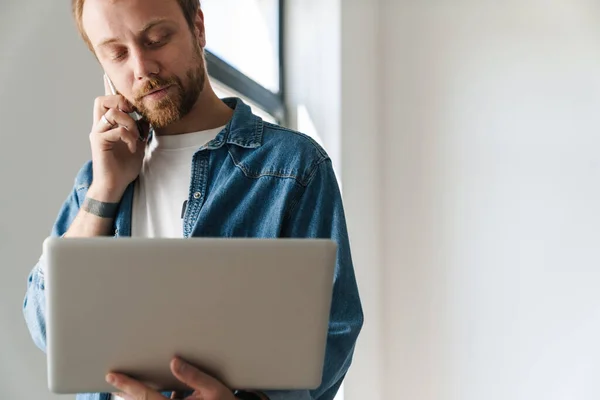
(145, 29)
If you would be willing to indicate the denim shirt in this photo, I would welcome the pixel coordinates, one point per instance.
(255, 179)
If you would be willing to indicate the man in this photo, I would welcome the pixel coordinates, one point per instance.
(232, 173)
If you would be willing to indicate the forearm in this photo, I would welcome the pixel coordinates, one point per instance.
(85, 224)
(96, 216)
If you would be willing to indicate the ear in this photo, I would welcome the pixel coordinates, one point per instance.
(199, 30)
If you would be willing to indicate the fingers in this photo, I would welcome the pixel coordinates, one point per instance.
(202, 383)
(132, 389)
(104, 103)
(111, 122)
(195, 378)
(115, 135)
(116, 117)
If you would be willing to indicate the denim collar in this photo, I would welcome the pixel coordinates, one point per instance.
(244, 129)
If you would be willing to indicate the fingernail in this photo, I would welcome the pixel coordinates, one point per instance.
(110, 378)
(180, 365)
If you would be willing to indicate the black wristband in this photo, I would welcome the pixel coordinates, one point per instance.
(100, 208)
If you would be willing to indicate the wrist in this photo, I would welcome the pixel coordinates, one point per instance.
(104, 194)
(100, 208)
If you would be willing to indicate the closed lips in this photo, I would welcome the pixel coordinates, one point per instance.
(157, 90)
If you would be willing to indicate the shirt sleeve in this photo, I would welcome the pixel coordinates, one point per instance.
(318, 213)
(34, 304)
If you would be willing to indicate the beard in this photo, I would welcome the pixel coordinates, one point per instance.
(180, 99)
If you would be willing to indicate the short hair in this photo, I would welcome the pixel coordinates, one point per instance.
(188, 7)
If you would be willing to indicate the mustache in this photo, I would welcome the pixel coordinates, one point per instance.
(152, 84)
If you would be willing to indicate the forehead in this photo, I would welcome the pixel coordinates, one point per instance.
(108, 19)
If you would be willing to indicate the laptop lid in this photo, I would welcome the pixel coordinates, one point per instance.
(251, 312)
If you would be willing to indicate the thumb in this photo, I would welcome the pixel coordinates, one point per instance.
(109, 88)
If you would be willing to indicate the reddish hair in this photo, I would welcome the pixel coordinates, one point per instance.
(188, 7)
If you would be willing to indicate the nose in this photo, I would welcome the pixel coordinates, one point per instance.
(144, 66)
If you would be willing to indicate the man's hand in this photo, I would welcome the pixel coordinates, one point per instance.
(205, 387)
(117, 153)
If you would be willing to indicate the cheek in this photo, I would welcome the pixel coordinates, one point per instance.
(178, 60)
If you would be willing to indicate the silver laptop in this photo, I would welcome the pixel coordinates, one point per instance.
(252, 312)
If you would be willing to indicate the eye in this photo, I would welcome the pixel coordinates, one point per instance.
(157, 42)
(118, 55)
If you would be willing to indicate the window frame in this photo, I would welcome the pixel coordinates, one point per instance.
(226, 74)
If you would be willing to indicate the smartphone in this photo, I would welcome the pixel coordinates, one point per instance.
(137, 117)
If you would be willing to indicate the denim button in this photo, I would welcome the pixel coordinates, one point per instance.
(197, 195)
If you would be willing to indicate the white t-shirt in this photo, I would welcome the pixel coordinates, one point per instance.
(164, 185)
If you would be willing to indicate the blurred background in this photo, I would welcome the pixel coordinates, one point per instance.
(464, 134)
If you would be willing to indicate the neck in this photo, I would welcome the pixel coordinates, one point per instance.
(209, 112)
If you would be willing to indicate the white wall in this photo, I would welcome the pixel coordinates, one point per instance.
(362, 182)
(313, 82)
(48, 82)
(488, 143)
